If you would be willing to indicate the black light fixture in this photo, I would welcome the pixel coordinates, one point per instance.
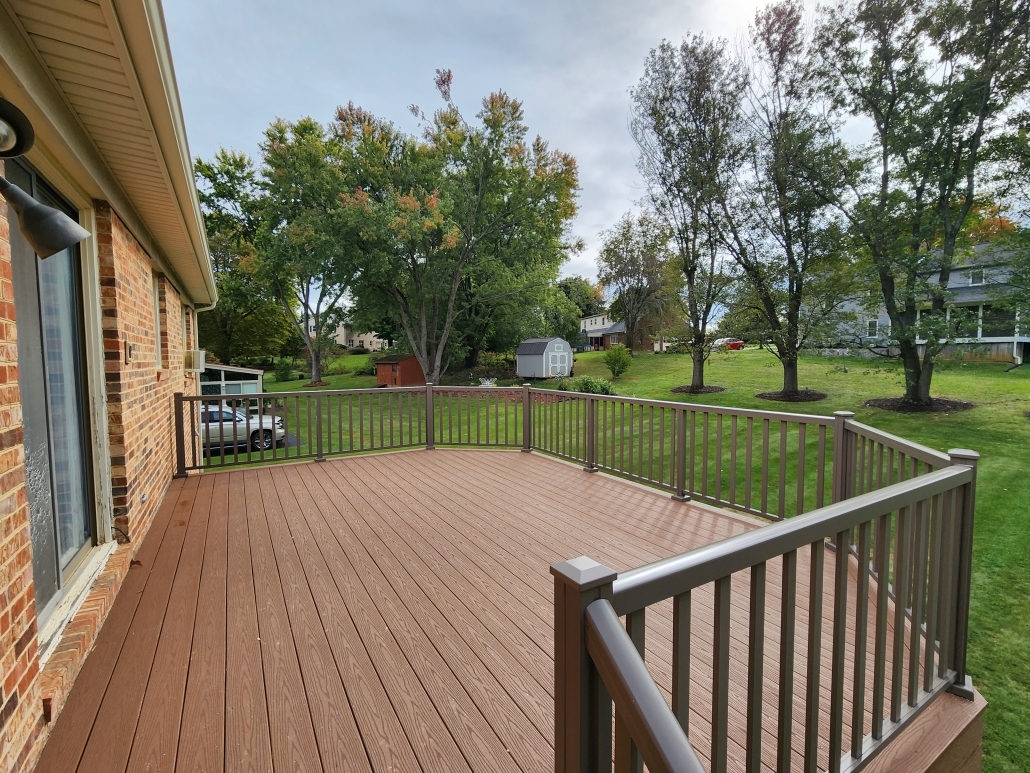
(47, 230)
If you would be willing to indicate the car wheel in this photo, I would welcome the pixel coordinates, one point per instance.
(262, 440)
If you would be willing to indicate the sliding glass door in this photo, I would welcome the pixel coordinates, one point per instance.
(48, 303)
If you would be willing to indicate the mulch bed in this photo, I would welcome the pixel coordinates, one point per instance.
(803, 396)
(686, 389)
(937, 405)
(316, 384)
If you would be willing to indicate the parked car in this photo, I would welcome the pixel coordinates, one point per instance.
(220, 426)
(728, 343)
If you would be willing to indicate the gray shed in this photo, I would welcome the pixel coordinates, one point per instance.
(543, 358)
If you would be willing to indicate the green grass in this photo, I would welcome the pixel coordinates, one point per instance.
(999, 648)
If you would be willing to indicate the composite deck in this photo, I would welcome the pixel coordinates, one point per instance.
(390, 612)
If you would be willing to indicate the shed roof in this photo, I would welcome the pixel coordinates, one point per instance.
(233, 368)
(535, 345)
(394, 358)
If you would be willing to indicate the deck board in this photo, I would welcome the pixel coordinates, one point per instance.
(392, 612)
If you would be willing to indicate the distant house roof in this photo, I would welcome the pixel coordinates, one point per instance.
(393, 358)
(534, 345)
(618, 327)
(233, 368)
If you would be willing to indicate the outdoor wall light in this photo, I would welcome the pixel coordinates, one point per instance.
(47, 230)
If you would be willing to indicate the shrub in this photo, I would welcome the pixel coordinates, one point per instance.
(359, 350)
(617, 360)
(283, 370)
(368, 369)
(587, 384)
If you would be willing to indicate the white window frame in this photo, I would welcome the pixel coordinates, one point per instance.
(972, 275)
(872, 328)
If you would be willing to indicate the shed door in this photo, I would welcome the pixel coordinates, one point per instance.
(558, 364)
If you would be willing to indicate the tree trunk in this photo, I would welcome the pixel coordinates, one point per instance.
(915, 383)
(697, 380)
(790, 375)
(316, 363)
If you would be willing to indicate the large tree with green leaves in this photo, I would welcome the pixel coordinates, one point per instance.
(249, 321)
(939, 81)
(458, 223)
(796, 277)
(307, 247)
(685, 121)
(633, 266)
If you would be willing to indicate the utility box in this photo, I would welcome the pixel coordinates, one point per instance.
(399, 370)
(543, 358)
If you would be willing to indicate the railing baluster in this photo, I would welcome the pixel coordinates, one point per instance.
(781, 503)
(748, 463)
(733, 460)
(785, 700)
(718, 458)
(721, 675)
(820, 468)
(650, 443)
(681, 659)
(948, 560)
(918, 594)
(800, 506)
(837, 654)
(882, 548)
(900, 586)
(815, 649)
(627, 756)
(765, 466)
(933, 594)
(755, 669)
(693, 448)
(861, 633)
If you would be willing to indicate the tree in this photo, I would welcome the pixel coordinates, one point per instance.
(939, 82)
(779, 226)
(587, 296)
(455, 223)
(307, 250)
(249, 321)
(686, 112)
(632, 265)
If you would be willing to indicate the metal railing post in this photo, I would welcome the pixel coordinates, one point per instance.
(591, 435)
(582, 706)
(843, 463)
(319, 451)
(180, 437)
(527, 419)
(963, 686)
(430, 419)
(682, 495)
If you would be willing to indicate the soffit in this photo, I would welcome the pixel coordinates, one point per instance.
(110, 64)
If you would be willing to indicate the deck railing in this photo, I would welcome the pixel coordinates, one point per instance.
(774, 465)
(905, 639)
(894, 516)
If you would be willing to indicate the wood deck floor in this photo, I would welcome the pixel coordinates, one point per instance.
(390, 612)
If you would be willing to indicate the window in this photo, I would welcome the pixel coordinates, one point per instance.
(873, 328)
(976, 276)
(997, 322)
(158, 353)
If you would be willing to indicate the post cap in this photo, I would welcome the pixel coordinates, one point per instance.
(583, 572)
(845, 414)
(963, 453)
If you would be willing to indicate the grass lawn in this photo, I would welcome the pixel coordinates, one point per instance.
(997, 428)
(346, 381)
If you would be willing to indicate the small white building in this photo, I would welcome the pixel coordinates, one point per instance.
(231, 380)
(543, 358)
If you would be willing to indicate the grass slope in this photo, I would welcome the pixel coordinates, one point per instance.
(997, 428)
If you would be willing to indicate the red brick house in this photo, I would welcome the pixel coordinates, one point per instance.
(92, 339)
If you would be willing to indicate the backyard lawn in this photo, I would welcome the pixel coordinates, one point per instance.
(998, 428)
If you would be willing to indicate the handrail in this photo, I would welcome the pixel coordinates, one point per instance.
(652, 726)
(654, 582)
(914, 450)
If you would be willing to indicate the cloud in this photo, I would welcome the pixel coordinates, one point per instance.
(240, 64)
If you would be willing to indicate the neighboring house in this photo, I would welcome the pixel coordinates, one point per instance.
(352, 338)
(100, 339)
(976, 284)
(606, 337)
(543, 358)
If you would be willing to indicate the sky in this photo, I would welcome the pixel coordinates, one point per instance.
(240, 64)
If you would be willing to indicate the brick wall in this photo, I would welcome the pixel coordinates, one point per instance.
(139, 393)
(21, 718)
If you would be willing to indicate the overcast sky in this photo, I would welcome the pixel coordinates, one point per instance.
(241, 63)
